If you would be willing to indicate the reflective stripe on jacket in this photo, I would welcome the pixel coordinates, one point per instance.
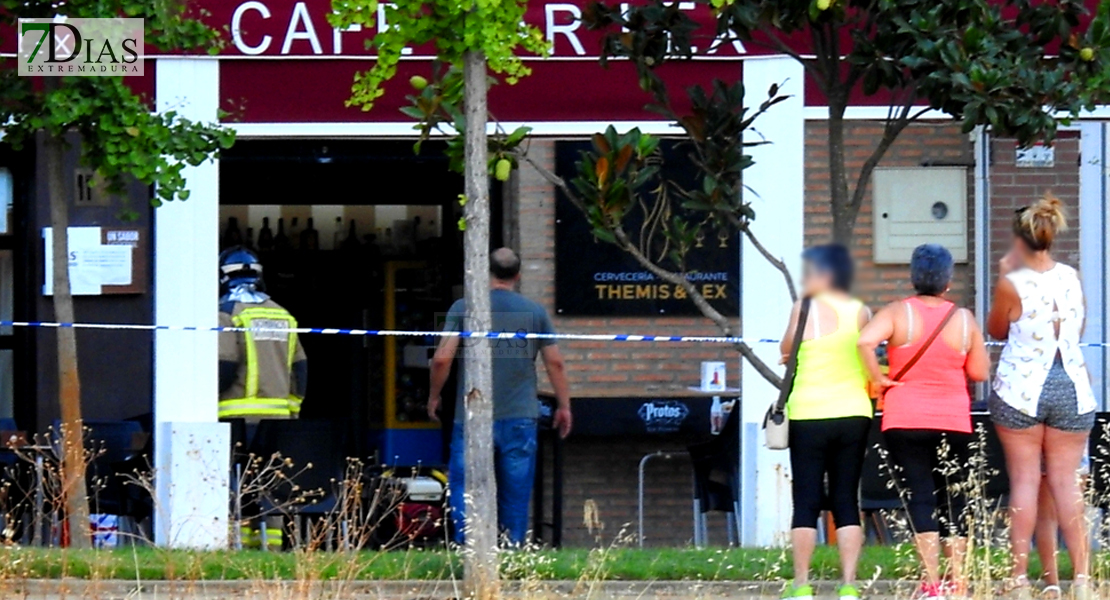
(252, 404)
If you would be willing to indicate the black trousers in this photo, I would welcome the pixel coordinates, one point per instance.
(930, 467)
(831, 448)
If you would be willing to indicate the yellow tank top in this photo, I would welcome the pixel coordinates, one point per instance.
(830, 381)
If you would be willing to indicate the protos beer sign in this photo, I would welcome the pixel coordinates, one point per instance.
(663, 416)
(270, 27)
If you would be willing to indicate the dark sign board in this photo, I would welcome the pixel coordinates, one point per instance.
(596, 278)
(689, 417)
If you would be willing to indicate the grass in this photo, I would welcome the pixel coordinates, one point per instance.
(744, 564)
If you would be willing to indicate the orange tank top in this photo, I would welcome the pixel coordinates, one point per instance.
(933, 394)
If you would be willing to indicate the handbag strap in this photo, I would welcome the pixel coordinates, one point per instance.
(928, 342)
(792, 360)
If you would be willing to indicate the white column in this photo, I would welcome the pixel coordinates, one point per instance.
(982, 242)
(777, 187)
(1094, 253)
(191, 448)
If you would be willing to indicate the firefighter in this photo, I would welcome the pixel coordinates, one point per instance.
(263, 374)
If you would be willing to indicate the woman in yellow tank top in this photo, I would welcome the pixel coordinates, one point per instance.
(830, 415)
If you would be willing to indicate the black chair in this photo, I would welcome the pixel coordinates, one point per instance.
(321, 444)
(113, 444)
(878, 494)
(998, 481)
(716, 463)
(1099, 450)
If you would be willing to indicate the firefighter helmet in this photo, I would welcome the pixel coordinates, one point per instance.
(239, 266)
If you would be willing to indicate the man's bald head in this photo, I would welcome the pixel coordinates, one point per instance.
(504, 264)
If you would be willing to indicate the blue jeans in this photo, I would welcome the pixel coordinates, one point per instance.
(514, 458)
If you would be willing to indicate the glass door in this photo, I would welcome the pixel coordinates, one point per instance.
(7, 297)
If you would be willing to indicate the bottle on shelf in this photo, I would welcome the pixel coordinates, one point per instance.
(232, 236)
(716, 416)
(310, 238)
(281, 241)
(295, 233)
(337, 234)
(389, 245)
(351, 241)
(248, 240)
(265, 236)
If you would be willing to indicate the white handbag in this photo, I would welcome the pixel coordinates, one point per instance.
(776, 426)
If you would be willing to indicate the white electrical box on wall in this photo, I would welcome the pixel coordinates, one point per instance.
(919, 205)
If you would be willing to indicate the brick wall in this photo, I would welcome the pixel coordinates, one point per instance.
(605, 471)
(921, 144)
(1012, 188)
(597, 365)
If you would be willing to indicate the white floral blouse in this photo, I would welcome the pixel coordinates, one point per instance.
(1032, 343)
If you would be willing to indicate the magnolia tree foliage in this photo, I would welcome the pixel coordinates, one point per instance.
(620, 187)
(120, 139)
(1015, 66)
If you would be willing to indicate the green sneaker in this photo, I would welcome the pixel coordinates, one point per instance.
(848, 592)
(797, 592)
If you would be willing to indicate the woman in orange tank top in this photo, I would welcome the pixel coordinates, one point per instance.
(927, 412)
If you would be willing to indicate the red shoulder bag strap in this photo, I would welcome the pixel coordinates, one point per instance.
(928, 342)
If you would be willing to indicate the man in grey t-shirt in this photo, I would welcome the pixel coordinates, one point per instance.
(515, 401)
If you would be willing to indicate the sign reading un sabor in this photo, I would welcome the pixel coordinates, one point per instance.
(80, 47)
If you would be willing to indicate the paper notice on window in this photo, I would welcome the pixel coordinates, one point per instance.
(101, 265)
(91, 264)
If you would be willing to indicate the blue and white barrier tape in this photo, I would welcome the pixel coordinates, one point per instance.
(497, 335)
(400, 333)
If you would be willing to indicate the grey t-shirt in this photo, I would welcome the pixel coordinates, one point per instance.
(514, 360)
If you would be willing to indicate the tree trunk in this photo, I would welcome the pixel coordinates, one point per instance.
(481, 486)
(69, 385)
(840, 201)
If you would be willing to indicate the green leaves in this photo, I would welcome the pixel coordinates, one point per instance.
(1025, 60)
(120, 137)
(496, 27)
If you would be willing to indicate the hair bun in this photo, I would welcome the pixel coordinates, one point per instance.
(1050, 208)
(1041, 222)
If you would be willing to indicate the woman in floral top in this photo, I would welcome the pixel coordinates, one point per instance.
(1042, 406)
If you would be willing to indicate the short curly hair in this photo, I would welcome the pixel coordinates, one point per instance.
(834, 259)
(931, 269)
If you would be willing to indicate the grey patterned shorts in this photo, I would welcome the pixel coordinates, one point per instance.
(1057, 407)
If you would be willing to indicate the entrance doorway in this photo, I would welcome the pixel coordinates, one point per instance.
(356, 235)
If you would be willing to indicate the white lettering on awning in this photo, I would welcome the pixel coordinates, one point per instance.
(300, 19)
(566, 29)
(237, 32)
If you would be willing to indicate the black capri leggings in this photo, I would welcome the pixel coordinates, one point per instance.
(832, 447)
(930, 466)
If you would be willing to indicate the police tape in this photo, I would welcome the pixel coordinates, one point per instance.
(496, 335)
(593, 337)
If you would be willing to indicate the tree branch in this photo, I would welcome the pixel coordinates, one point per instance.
(776, 262)
(699, 300)
(780, 45)
(678, 279)
(893, 128)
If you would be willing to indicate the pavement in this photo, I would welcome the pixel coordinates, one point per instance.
(64, 589)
